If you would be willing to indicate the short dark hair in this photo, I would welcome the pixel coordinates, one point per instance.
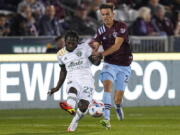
(72, 33)
(106, 6)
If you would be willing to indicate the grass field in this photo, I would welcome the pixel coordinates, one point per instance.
(138, 121)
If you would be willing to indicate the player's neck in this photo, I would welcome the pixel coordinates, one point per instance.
(109, 25)
(71, 50)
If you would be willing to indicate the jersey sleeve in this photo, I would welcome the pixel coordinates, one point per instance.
(122, 30)
(60, 54)
(100, 31)
(59, 60)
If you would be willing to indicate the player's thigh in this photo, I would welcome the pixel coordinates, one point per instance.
(108, 84)
(107, 77)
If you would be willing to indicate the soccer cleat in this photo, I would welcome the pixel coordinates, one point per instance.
(105, 123)
(72, 127)
(120, 113)
(67, 108)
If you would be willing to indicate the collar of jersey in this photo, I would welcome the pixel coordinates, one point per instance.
(114, 21)
(70, 51)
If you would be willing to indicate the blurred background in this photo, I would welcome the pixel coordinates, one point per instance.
(31, 32)
(155, 22)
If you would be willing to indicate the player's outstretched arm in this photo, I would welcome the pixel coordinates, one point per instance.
(62, 77)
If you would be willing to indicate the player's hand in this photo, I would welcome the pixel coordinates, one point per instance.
(96, 60)
(97, 54)
(93, 45)
(53, 90)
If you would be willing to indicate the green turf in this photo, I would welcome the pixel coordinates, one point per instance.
(138, 121)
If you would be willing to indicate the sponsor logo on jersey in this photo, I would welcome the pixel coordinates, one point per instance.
(73, 64)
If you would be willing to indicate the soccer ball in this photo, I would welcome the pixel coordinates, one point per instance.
(96, 108)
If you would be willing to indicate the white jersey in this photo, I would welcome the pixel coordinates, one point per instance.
(77, 63)
(78, 68)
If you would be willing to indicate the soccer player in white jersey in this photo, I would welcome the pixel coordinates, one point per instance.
(75, 61)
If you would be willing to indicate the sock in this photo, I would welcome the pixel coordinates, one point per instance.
(78, 115)
(118, 106)
(72, 99)
(119, 111)
(107, 104)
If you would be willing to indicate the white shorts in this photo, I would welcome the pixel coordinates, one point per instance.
(85, 88)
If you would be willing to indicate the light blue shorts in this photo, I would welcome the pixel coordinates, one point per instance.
(119, 75)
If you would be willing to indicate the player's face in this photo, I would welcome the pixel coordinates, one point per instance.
(71, 43)
(107, 16)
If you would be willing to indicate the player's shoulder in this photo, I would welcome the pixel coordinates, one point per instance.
(101, 29)
(83, 45)
(121, 24)
(62, 52)
(121, 27)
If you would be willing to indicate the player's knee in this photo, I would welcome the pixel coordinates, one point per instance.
(72, 90)
(117, 101)
(83, 105)
(107, 85)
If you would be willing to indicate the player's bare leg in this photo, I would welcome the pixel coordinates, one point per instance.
(118, 96)
(70, 105)
(81, 111)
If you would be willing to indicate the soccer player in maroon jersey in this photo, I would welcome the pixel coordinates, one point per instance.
(113, 36)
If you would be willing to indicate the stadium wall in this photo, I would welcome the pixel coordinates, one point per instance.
(26, 78)
(36, 45)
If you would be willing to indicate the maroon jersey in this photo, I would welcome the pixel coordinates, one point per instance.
(106, 37)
